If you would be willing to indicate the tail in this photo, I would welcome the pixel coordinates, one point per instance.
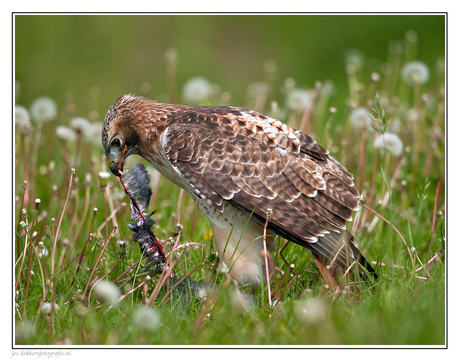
(335, 253)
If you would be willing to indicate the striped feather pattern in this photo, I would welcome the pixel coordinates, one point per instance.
(237, 157)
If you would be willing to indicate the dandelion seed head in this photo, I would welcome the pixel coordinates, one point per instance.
(411, 36)
(43, 109)
(65, 134)
(390, 142)
(103, 179)
(225, 97)
(270, 66)
(395, 125)
(171, 55)
(146, 318)
(355, 58)
(107, 292)
(299, 99)
(311, 311)
(145, 87)
(375, 77)
(37, 204)
(95, 91)
(350, 69)
(197, 89)
(93, 133)
(21, 116)
(42, 250)
(80, 124)
(360, 118)
(51, 165)
(43, 170)
(46, 308)
(415, 73)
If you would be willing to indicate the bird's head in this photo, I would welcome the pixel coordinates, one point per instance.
(119, 137)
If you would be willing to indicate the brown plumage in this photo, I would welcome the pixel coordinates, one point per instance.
(237, 163)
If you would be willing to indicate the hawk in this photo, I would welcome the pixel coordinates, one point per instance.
(238, 165)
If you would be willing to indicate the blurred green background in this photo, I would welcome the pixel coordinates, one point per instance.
(67, 55)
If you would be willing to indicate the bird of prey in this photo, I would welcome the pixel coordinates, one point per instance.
(237, 164)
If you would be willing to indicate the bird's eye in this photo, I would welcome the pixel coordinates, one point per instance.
(116, 143)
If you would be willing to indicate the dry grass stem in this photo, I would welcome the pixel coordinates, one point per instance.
(433, 221)
(98, 260)
(53, 254)
(266, 254)
(397, 231)
(167, 270)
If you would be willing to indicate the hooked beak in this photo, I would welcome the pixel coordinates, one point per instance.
(117, 167)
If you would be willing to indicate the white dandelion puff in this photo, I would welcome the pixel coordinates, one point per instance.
(415, 73)
(91, 131)
(103, 179)
(299, 99)
(270, 66)
(46, 308)
(146, 318)
(390, 142)
(43, 170)
(311, 311)
(360, 118)
(355, 57)
(196, 90)
(21, 116)
(80, 124)
(43, 109)
(412, 115)
(65, 134)
(107, 292)
(395, 125)
(42, 250)
(93, 135)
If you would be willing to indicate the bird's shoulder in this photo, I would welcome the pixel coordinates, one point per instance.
(229, 122)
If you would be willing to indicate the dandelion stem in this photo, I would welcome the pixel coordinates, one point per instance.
(18, 238)
(362, 158)
(433, 221)
(72, 174)
(23, 255)
(41, 270)
(34, 162)
(26, 172)
(99, 259)
(83, 217)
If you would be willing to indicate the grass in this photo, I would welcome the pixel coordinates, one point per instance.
(77, 233)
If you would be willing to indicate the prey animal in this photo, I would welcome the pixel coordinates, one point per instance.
(136, 185)
(238, 166)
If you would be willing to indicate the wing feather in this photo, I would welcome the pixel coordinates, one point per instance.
(312, 196)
